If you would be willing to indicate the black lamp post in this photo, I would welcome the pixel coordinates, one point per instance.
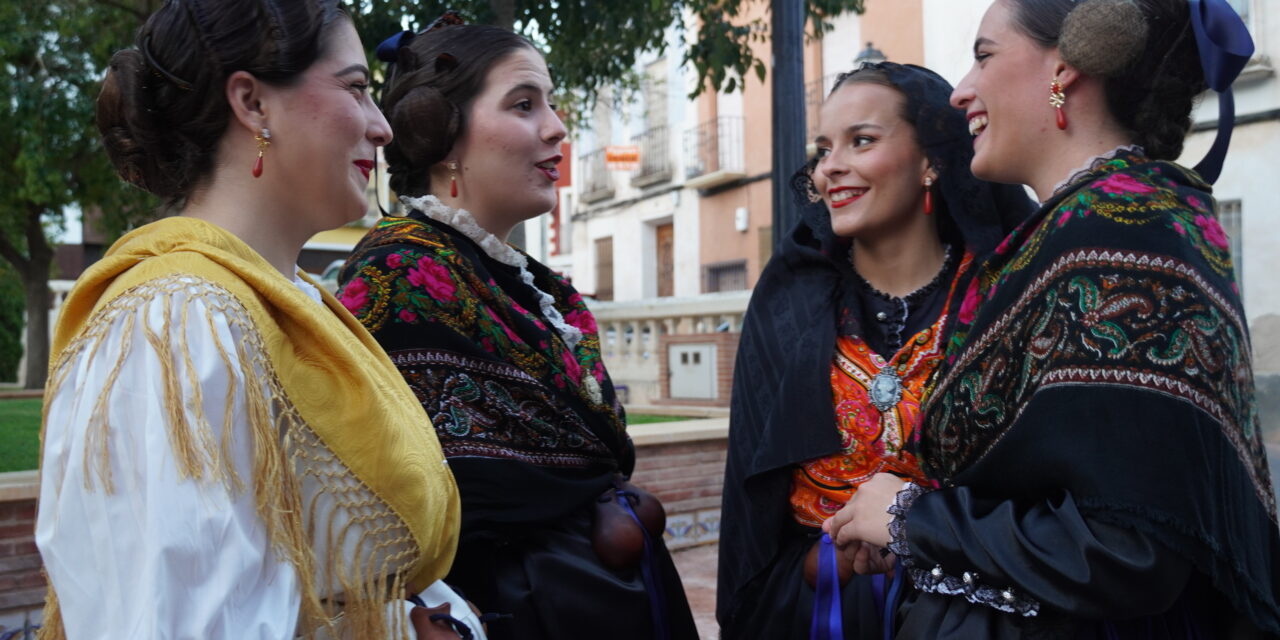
(788, 109)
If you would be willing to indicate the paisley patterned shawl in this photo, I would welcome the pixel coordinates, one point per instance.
(532, 428)
(1114, 311)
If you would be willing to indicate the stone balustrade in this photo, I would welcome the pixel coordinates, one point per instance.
(631, 332)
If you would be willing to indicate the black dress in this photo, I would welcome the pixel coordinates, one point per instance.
(781, 408)
(529, 423)
(1095, 436)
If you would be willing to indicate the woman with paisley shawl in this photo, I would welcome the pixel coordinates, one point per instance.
(1098, 469)
(847, 323)
(502, 352)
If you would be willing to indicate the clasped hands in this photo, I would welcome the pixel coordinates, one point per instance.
(860, 530)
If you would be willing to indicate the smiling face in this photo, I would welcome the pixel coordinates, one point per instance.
(508, 155)
(870, 170)
(1005, 96)
(324, 132)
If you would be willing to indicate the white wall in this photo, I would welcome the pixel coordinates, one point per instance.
(950, 27)
(842, 44)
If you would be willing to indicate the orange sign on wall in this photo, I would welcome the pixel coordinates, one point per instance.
(622, 157)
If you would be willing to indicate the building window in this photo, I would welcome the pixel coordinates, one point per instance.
(727, 276)
(1229, 215)
(604, 269)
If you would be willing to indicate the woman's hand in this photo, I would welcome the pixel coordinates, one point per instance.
(870, 559)
(865, 518)
(845, 566)
(425, 628)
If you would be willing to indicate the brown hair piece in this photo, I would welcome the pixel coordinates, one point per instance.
(1103, 37)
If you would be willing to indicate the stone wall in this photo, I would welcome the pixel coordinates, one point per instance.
(22, 583)
(682, 464)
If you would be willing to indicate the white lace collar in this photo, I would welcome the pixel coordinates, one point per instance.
(465, 223)
(1093, 164)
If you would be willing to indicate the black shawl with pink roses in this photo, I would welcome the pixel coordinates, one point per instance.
(529, 438)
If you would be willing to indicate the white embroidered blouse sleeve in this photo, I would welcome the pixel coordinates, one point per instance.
(158, 555)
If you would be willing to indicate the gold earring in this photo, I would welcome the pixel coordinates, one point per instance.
(264, 141)
(453, 178)
(1056, 100)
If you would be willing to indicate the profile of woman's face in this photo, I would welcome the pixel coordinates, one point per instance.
(1005, 97)
(509, 153)
(870, 169)
(325, 130)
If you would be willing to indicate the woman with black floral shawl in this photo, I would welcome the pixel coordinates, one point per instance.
(1098, 464)
(502, 352)
(805, 426)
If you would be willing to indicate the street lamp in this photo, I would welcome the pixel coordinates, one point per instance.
(870, 55)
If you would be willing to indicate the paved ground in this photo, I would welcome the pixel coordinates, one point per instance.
(697, 566)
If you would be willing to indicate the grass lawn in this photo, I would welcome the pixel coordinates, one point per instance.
(646, 418)
(19, 434)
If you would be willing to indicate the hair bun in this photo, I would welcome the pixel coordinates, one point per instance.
(130, 132)
(426, 124)
(1103, 37)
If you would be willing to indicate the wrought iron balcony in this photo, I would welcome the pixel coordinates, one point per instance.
(714, 153)
(597, 181)
(655, 157)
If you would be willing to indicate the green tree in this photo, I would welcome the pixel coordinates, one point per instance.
(592, 44)
(53, 54)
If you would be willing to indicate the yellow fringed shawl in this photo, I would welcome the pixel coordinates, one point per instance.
(335, 414)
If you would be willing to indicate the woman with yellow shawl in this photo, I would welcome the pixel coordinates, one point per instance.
(226, 451)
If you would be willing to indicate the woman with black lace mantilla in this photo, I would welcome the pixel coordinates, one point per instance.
(503, 353)
(1098, 461)
(847, 323)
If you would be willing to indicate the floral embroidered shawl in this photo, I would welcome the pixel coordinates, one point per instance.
(531, 425)
(1102, 360)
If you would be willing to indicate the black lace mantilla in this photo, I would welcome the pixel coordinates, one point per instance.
(936, 580)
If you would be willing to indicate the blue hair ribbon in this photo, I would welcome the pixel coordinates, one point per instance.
(388, 50)
(1225, 49)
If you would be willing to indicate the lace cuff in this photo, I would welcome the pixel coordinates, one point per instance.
(935, 580)
(1006, 600)
(898, 525)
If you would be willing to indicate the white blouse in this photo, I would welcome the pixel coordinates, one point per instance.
(161, 556)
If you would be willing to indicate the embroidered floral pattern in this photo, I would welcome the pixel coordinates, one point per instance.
(415, 287)
(1099, 317)
(486, 409)
(872, 440)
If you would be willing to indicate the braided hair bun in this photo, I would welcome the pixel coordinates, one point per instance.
(1151, 73)
(162, 109)
(436, 78)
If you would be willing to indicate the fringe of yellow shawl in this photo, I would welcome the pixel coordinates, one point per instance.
(361, 609)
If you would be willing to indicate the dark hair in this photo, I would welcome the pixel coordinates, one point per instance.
(162, 109)
(877, 75)
(969, 211)
(1152, 96)
(434, 81)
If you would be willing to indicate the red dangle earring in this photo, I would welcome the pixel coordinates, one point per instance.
(1056, 100)
(453, 178)
(928, 195)
(264, 141)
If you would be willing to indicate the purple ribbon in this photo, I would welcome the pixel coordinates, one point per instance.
(1225, 48)
(648, 569)
(890, 603)
(828, 618)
